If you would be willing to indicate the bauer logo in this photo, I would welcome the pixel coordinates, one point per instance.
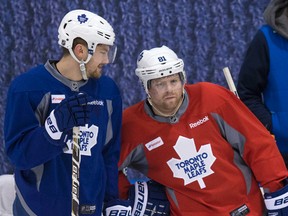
(55, 99)
(199, 122)
(281, 201)
(141, 196)
(154, 143)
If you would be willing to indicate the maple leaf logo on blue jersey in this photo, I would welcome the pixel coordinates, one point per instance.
(82, 18)
(87, 140)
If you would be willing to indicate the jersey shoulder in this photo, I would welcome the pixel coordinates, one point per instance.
(135, 117)
(34, 79)
(207, 95)
(106, 86)
(134, 112)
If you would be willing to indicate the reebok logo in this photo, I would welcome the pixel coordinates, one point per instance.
(199, 122)
(96, 102)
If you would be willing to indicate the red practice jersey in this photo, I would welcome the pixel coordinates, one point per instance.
(211, 156)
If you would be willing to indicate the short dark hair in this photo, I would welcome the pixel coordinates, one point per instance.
(76, 41)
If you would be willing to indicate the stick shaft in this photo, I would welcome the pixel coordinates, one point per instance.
(75, 172)
(230, 81)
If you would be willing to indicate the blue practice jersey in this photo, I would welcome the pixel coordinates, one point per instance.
(43, 169)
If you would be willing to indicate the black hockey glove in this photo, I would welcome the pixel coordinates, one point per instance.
(71, 112)
(149, 198)
(277, 202)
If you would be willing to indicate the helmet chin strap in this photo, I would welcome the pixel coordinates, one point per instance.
(83, 70)
(81, 64)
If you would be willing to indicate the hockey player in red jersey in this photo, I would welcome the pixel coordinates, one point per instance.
(200, 142)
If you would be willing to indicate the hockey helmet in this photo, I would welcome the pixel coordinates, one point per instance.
(157, 63)
(89, 27)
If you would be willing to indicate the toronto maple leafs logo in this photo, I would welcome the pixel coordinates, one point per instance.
(87, 139)
(82, 18)
(192, 165)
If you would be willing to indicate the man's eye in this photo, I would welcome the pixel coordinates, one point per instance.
(159, 84)
(174, 81)
(103, 52)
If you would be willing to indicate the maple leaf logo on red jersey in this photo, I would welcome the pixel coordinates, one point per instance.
(193, 165)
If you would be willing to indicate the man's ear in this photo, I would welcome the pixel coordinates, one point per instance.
(80, 52)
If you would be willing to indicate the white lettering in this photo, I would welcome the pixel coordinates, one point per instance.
(199, 122)
(96, 102)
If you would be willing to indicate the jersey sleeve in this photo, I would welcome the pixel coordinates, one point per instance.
(111, 150)
(253, 76)
(252, 140)
(131, 152)
(123, 185)
(25, 142)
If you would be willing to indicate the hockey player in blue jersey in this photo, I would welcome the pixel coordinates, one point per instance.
(45, 103)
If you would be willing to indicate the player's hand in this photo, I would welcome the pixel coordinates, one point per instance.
(71, 112)
(117, 207)
(149, 198)
(276, 202)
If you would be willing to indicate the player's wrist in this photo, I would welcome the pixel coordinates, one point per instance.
(117, 207)
(52, 128)
(276, 202)
(149, 198)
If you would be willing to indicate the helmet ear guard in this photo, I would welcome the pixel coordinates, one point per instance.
(157, 63)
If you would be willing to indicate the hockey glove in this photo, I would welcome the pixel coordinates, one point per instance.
(117, 207)
(277, 202)
(149, 198)
(71, 112)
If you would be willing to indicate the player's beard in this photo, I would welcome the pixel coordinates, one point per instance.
(167, 107)
(96, 73)
(170, 105)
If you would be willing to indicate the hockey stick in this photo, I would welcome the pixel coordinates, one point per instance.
(230, 81)
(234, 90)
(75, 172)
